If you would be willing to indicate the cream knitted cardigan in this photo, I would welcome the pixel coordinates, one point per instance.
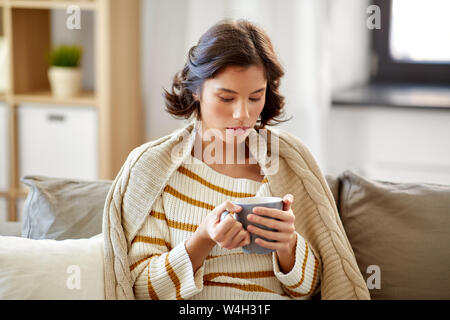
(148, 168)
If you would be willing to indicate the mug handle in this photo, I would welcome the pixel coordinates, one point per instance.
(225, 213)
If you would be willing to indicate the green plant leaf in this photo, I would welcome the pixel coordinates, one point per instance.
(65, 56)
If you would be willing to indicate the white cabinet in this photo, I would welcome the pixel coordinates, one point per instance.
(58, 141)
(4, 172)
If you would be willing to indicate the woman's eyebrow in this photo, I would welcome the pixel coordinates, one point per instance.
(232, 91)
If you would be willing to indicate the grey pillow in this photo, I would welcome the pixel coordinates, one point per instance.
(404, 229)
(60, 208)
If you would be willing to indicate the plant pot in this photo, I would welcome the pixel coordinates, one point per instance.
(65, 82)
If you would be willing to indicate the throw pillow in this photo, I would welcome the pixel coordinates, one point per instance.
(400, 233)
(60, 208)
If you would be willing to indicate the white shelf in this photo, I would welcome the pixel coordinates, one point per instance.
(86, 98)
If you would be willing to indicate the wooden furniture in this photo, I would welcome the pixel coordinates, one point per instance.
(112, 109)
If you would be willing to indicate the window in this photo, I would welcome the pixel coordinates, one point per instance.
(413, 44)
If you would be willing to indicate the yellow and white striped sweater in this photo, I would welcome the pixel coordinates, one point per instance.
(160, 265)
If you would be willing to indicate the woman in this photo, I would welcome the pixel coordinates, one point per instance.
(165, 205)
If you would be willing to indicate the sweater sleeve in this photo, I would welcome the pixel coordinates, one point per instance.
(159, 271)
(304, 278)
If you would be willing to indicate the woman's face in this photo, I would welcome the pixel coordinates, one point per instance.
(232, 101)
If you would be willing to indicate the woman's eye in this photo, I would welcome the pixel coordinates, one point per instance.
(231, 99)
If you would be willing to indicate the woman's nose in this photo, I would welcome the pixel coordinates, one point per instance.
(240, 111)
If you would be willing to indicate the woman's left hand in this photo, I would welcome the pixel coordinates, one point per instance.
(285, 237)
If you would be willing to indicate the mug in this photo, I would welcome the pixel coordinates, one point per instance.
(247, 205)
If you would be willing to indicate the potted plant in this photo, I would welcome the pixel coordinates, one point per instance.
(65, 73)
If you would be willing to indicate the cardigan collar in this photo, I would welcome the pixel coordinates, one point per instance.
(263, 144)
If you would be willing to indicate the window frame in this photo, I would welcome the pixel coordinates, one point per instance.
(389, 70)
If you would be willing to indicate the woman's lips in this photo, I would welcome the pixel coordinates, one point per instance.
(237, 131)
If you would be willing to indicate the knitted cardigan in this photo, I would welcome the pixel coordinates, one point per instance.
(148, 168)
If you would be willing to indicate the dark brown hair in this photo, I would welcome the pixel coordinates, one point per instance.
(227, 43)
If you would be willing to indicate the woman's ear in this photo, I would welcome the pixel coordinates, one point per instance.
(195, 96)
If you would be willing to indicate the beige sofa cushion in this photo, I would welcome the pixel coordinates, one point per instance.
(404, 229)
(49, 269)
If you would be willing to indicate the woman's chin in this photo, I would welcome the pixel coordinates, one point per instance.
(236, 139)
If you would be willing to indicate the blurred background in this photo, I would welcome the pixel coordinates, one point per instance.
(366, 82)
(394, 127)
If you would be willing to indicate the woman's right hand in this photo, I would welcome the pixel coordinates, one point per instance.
(228, 233)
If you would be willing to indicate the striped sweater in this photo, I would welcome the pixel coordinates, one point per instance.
(160, 265)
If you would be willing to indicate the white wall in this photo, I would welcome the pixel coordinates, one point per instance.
(163, 53)
(349, 43)
(394, 144)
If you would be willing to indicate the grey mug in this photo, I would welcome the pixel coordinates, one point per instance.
(247, 205)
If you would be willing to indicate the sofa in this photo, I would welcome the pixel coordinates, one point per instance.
(399, 232)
